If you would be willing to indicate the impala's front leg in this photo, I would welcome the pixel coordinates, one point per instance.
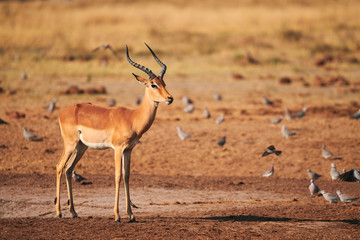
(118, 162)
(126, 172)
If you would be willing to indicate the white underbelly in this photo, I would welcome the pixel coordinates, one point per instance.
(98, 142)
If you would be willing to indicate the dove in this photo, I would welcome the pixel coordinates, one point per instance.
(186, 100)
(331, 197)
(356, 115)
(334, 172)
(350, 176)
(31, 136)
(325, 152)
(269, 150)
(345, 198)
(267, 101)
(182, 135)
(299, 114)
(313, 188)
(222, 141)
(288, 114)
(24, 75)
(106, 46)
(189, 108)
(206, 113)
(220, 119)
(52, 106)
(276, 120)
(313, 175)
(286, 132)
(269, 172)
(111, 102)
(77, 177)
(217, 96)
(3, 122)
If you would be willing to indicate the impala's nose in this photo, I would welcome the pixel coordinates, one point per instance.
(170, 100)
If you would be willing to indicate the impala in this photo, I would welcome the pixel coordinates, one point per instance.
(84, 125)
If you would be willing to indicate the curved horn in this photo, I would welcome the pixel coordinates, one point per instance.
(162, 73)
(145, 69)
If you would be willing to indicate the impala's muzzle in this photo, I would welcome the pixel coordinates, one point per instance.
(170, 100)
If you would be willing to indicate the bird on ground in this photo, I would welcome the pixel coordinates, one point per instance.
(269, 150)
(222, 141)
(77, 177)
(288, 114)
(285, 132)
(3, 122)
(276, 120)
(186, 100)
(331, 197)
(217, 96)
(313, 188)
(325, 152)
(107, 46)
(313, 175)
(356, 115)
(345, 198)
(334, 172)
(350, 176)
(206, 113)
(24, 76)
(182, 135)
(220, 119)
(189, 108)
(52, 106)
(300, 114)
(31, 136)
(266, 101)
(269, 172)
(111, 102)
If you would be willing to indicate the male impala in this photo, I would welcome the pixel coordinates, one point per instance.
(84, 125)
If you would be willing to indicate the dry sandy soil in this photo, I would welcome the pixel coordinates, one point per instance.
(192, 189)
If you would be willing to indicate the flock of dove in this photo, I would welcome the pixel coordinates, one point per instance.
(349, 176)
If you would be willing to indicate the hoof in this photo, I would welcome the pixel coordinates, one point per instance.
(117, 221)
(75, 216)
(133, 219)
(59, 216)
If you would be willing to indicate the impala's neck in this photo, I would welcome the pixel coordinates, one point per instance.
(145, 114)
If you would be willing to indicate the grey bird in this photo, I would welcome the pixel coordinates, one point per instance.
(325, 152)
(206, 113)
(220, 119)
(269, 150)
(334, 172)
(300, 114)
(31, 136)
(3, 122)
(77, 177)
(288, 114)
(182, 135)
(313, 188)
(266, 101)
(111, 102)
(269, 172)
(356, 115)
(23, 75)
(313, 175)
(217, 96)
(350, 176)
(345, 198)
(189, 108)
(276, 120)
(52, 106)
(222, 141)
(186, 100)
(331, 197)
(286, 133)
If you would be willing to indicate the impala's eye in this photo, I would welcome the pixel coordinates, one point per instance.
(154, 86)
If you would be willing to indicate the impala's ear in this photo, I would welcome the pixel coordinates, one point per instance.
(140, 79)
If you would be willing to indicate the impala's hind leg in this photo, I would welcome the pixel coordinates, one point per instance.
(66, 155)
(75, 157)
